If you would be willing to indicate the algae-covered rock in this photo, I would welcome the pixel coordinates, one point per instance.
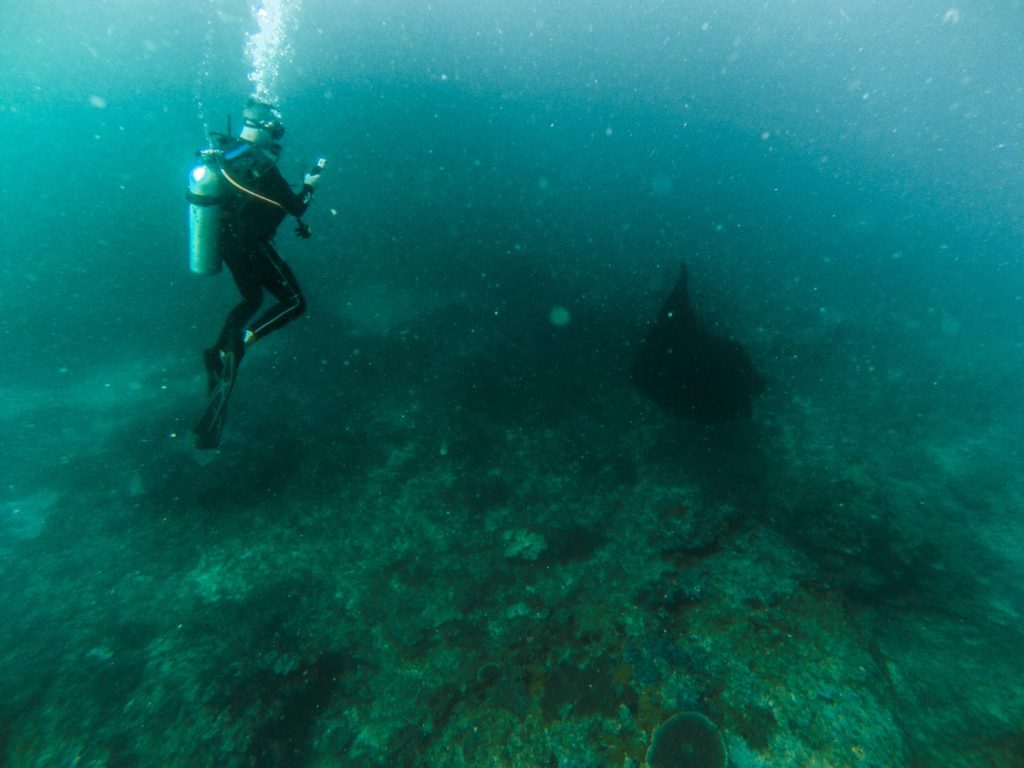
(686, 740)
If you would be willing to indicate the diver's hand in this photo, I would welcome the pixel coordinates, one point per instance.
(312, 178)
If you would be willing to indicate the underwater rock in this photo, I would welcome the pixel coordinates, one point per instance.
(673, 591)
(522, 544)
(580, 689)
(686, 740)
(692, 527)
(689, 371)
(25, 518)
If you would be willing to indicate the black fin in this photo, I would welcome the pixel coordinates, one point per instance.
(210, 427)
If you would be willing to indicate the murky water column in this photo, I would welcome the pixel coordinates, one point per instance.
(267, 47)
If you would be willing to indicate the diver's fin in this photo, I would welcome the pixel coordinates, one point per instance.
(214, 368)
(210, 426)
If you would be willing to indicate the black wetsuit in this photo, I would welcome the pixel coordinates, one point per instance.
(249, 226)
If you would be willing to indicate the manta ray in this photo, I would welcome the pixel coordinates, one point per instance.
(691, 372)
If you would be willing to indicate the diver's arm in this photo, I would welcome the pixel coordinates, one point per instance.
(312, 180)
(295, 203)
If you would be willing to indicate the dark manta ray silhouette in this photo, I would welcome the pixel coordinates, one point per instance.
(689, 371)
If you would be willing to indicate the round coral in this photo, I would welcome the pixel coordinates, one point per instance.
(686, 740)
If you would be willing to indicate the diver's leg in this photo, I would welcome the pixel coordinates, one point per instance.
(242, 264)
(278, 278)
(248, 274)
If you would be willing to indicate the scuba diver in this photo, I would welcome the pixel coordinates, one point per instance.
(244, 200)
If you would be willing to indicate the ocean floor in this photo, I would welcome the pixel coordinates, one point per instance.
(465, 543)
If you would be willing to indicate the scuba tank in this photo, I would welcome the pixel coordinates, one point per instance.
(205, 194)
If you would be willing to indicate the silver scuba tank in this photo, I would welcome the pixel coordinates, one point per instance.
(205, 194)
